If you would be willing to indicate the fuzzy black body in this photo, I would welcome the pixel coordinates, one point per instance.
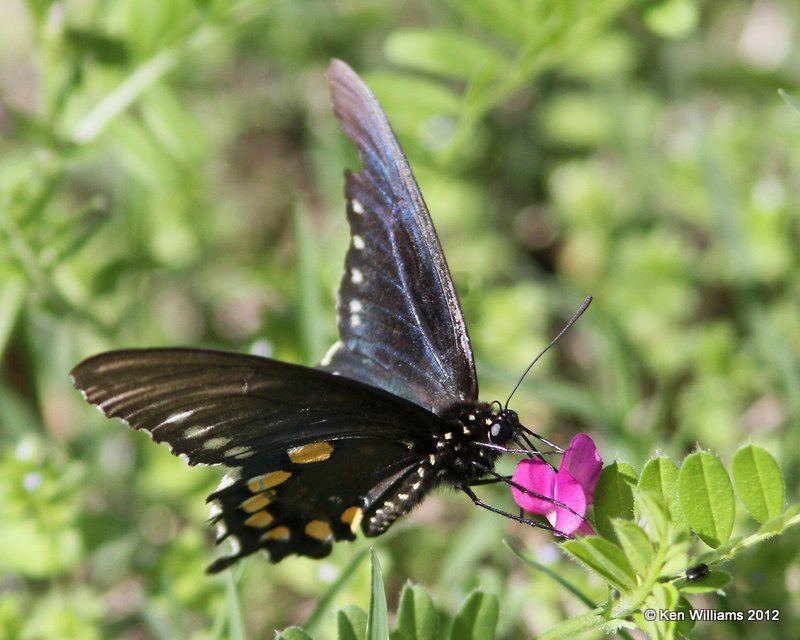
(314, 455)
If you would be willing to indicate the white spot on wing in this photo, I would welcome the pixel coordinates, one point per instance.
(358, 242)
(356, 277)
(357, 207)
(178, 417)
(194, 432)
(214, 508)
(331, 352)
(356, 306)
(239, 452)
(230, 478)
(355, 321)
(221, 529)
(212, 444)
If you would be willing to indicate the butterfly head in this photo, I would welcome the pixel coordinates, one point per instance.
(504, 425)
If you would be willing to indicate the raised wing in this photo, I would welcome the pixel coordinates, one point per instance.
(400, 322)
(313, 456)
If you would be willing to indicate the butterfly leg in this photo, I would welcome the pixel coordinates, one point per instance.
(533, 523)
(501, 478)
(553, 445)
(483, 481)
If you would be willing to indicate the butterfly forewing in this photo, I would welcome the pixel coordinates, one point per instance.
(400, 322)
(216, 407)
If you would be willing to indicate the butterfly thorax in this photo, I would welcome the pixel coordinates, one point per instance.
(470, 441)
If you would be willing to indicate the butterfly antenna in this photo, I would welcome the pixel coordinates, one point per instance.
(572, 320)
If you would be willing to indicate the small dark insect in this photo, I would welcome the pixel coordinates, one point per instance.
(697, 572)
(315, 454)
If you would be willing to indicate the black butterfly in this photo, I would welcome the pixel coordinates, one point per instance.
(391, 413)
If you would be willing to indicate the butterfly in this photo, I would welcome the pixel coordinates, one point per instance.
(392, 412)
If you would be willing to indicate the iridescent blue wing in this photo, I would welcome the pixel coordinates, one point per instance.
(400, 322)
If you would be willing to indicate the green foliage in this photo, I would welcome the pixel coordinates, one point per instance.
(477, 618)
(170, 173)
(296, 633)
(416, 616)
(759, 482)
(378, 619)
(646, 560)
(417, 619)
(614, 496)
(643, 561)
(707, 497)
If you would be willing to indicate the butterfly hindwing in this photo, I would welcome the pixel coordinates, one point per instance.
(303, 500)
(400, 322)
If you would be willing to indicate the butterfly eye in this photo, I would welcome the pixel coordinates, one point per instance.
(503, 427)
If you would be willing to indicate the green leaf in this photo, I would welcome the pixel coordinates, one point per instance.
(294, 633)
(673, 19)
(655, 516)
(234, 608)
(605, 558)
(635, 543)
(378, 620)
(613, 497)
(759, 482)
(419, 108)
(351, 623)
(664, 597)
(660, 476)
(776, 525)
(707, 498)
(477, 618)
(685, 624)
(449, 53)
(401, 94)
(416, 618)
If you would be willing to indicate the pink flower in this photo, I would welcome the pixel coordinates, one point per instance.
(572, 486)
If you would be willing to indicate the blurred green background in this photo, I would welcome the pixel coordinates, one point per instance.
(171, 173)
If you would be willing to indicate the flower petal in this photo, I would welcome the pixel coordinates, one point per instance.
(584, 464)
(537, 477)
(568, 491)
